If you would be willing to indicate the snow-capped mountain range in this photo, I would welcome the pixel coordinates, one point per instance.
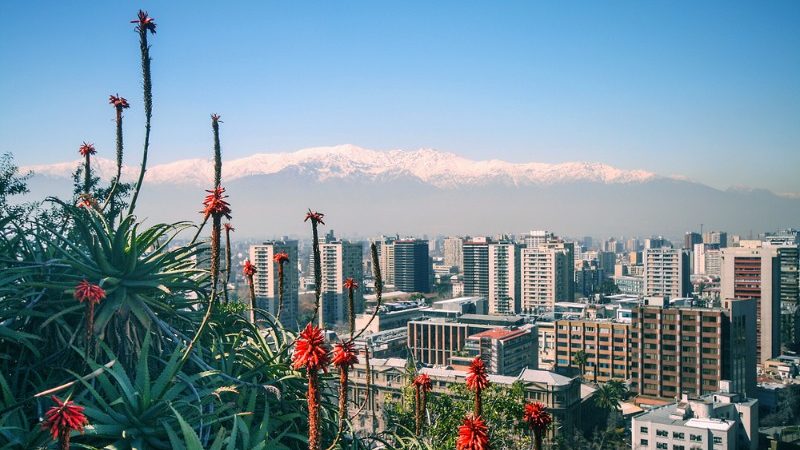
(436, 168)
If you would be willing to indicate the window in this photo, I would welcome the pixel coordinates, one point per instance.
(643, 430)
(662, 445)
(717, 440)
(696, 437)
(643, 442)
(676, 435)
(662, 433)
(677, 447)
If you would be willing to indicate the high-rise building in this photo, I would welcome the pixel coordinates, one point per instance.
(543, 272)
(656, 242)
(504, 278)
(265, 281)
(537, 237)
(412, 265)
(385, 247)
(340, 260)
(690, 239)
(752, 271)
(476, 266)
(606, 261)
(605, 343)
(686, 349)
(716, 237)
(666, 273)
(454, 252)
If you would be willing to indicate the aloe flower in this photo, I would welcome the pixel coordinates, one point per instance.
(473, 434)
(119, 103)
(249, 270)
(351, 285)
(477, 380)
(216, 207)
(422, 385)
(63, 419)
(344, 356)
(316, 219)
(280, 259)
(144, 23)
(87, 150)
(91, 294)
(311, 353)
(538, 420)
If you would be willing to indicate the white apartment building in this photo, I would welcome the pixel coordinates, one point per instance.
(454, 252)
(386, 260)
(664, 274)
(719, 421)
(340, 260)
(542, 271)
(504, 278)
(265, 281)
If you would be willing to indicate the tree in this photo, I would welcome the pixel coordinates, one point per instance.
(580, 358)
(11, 184)
(608, 396)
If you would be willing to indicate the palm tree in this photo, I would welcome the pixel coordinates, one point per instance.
(580, 358)
(608, 396)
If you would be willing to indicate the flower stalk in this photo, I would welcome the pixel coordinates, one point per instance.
(91, 294)
(228, 229)
(311, 354)
(344, 357)
(62, 419)
(87, 150)
(316, 219)
(477, 381)
(249, 270)
(351, 285)
(280, 259)
(119, 103)
(422, 385)
(144, 23)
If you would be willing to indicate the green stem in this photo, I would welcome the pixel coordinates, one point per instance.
(148, 111)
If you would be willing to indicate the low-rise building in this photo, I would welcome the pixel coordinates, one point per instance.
(718, 421)
(506, 351)
(605, 343)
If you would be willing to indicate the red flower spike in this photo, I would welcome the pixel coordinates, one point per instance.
(344, 354)
(215, 203)
(536, 416)
(216, 118)
(423, 381)
(249, 269)
(144, 22)
(473, 434)
(88, 292)
(87, 149)
(350, 284)
(281, 257)
(229, 227)
(64, 418)
(477, 378)
(118, 102)
(310, 351)
(314, 217)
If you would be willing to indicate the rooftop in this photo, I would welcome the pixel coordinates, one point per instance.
(501, 333)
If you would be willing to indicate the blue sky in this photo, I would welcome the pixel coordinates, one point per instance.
(709, 90)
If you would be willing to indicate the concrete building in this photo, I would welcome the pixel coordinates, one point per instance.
(686, 349)
(265, 281)
(412, 265)
(605, 342)
(385, 246)
(690, 239)
(476, 266)
(719, 421)
(562, 396)
(340, 260)
(504, 278)
(630, 285)
(390, 315)
(543, 275)
(716, 237)
(454, 252)
(666, 273)
(435, 340)
(753, 272)
(505, 351)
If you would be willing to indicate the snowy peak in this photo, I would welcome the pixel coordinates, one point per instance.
(440, 169)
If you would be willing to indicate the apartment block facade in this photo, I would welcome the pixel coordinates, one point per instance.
(265, 281)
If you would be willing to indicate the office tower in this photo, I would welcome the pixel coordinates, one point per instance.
(632, 245)
(587, 242)
(545, 277)
(504, 278)
(666, 273)
(606, 262)
(476, 267)
(385, 247)
(612, 246)
(265, 281)
(716, 237)
(685, 349)
(754, 272)
(412, 265)
(656, 242)
(453, 252)
(690, 239)
(634, 258)
(706, 259)
(340, 260)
